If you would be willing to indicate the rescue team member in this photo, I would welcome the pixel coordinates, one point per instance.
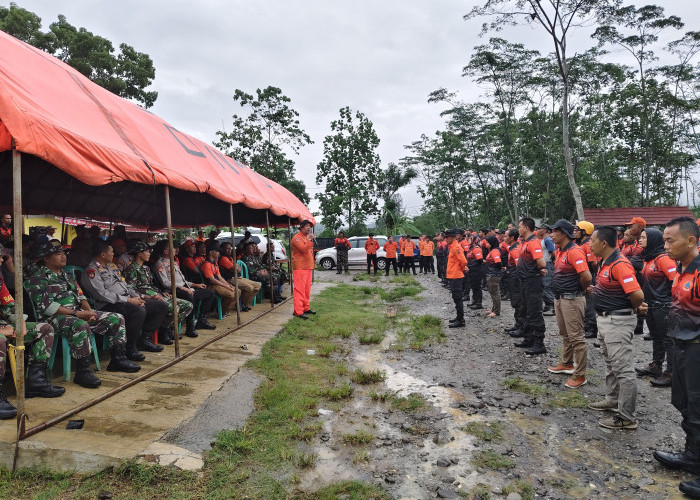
(505, 274)
(408, 251)
(456, 262)
(681, 238)
(632, 250)
(475, 273)
(342, 246)
(189, 262)
(371, 247)
(582, 234)
(214, 281)
(617, 297)
(548, 250)
(464, 240)
(426, 247)
(390, 248)
(518, 327)
(530, 270)
(303, 266)
(493, 275)
(570, 281)
(657, 276)
(248, 288)
(441, 256)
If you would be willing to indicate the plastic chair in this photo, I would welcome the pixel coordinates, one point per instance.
(67, 357)
(244, 274)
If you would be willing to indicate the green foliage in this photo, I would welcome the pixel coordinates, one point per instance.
(485, 431)
(359, 437)
(127, 73)
(363, 377)
(264, 137)
(524, 488)
(349, 171)
(492, 460)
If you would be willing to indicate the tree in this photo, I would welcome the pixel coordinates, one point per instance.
(393, 179)
(557, 18)
(350, 170)
(263, 138)
(126, 74)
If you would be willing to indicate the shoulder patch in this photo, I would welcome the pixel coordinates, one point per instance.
(91, 273)
(161, 268)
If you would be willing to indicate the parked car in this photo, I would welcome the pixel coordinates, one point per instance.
(357, 256)
(259, 239)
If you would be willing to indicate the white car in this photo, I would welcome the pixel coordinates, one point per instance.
(259, 239)
(357, 255)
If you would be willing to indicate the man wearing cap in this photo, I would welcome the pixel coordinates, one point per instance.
(517, 330)
(569, 284)
(303, 266)
(59, 300)
(618, 297)
(228, 266)
(260, 272)
(548, 251)
(142, 317)
(371, 247)
(390, 248)
(530, 270)
(214, 281)
(342, 246)
(456, 263)
(582, 234)
(138, 275)
(681, 238)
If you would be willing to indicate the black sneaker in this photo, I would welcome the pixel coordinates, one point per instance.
(457, 324)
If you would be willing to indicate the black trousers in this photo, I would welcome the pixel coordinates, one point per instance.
(134, 317)
(517, 303)
(657, 321)
(205, 295)
(389, 263)
(590, 323)
(399, 262)
(531, 292)
(409, 262)
(372, 259)
(685, 391)
(441, 264)
(476, 275)
(456, 290)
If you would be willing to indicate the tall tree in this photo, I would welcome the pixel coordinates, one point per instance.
(557, 18)
(349, 170)
(126, 74)
(391, 180)
(263, 138)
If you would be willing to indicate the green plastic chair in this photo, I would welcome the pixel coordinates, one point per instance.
(244, 274)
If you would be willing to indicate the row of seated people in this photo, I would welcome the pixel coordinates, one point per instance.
(127, 310)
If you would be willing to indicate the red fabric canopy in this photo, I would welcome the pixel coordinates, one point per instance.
(56, 114)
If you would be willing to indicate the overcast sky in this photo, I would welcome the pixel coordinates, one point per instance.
(382, 57)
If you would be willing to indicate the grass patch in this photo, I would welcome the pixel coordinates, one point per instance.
(360, 457)
(371, 338)
(405, 279)
(480, 490)
(485, 431)
(490, 459)
(517, 384)
(306, 460)
(426, 329)
(394, 294)
(367, 377)
(409, 404)
(373, 278)
(568, 399)
(379, 396)
(358, 438)
(524, 488)
(352, 490)
(338, 393)
(306, 432)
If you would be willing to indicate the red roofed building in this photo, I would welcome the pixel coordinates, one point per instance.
(654, 216)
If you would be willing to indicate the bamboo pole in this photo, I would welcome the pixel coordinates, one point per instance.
(176, 322)
(270, 256)
(235, 265)
(20, 327)
(290, 265)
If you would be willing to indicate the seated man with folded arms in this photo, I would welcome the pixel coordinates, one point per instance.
(214, 280)
(142, 316)
(228, 266)
(58, 300)
(257, 271)
(139, 276)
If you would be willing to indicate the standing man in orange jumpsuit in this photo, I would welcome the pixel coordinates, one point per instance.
(303, 266)
(426, 254)
(408, 250)
(456, 262)
(390, 248)
(371, 247)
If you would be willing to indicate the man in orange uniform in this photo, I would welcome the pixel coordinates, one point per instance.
(342, 245)
(390, 248)
(582, 235)
(456, 262)
(426, 254)
(371, 247)
(303, 267)
(408, 250)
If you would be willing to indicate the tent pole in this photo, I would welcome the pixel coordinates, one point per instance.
(270, 250)
(110, 228)
(20, 327)
(64, 236)
(176, 322)
(290, 266)
(235, 265)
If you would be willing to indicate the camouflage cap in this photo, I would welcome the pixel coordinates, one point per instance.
(137, 247)
(48, 248)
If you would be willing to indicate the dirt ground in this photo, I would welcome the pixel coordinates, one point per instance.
(498, 422)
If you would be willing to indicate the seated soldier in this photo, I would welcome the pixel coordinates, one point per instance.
(258, 272)
(139, 276)
(58, 299)
(228, 267)
(190, 262)
(142, 317)
(214, 280)
(277, 269)
(192, 292)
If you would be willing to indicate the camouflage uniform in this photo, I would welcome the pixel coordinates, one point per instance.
(38, 339)
(255, 265)
(49, 290)
(141, 279)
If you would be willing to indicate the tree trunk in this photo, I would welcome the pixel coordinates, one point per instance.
(567, 150)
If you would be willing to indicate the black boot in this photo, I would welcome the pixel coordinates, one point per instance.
(119, 363)
(84, 376)
(6, 409)
(203, 324)
(132, 353)
(146, 344)
(537, 348)
(190, 331)
(516, 334)
(37, 386)
(684, 460)
(165, 335)
(690, 488)
(527, 341)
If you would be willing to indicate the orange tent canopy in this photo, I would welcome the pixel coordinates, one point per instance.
(91, 152)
